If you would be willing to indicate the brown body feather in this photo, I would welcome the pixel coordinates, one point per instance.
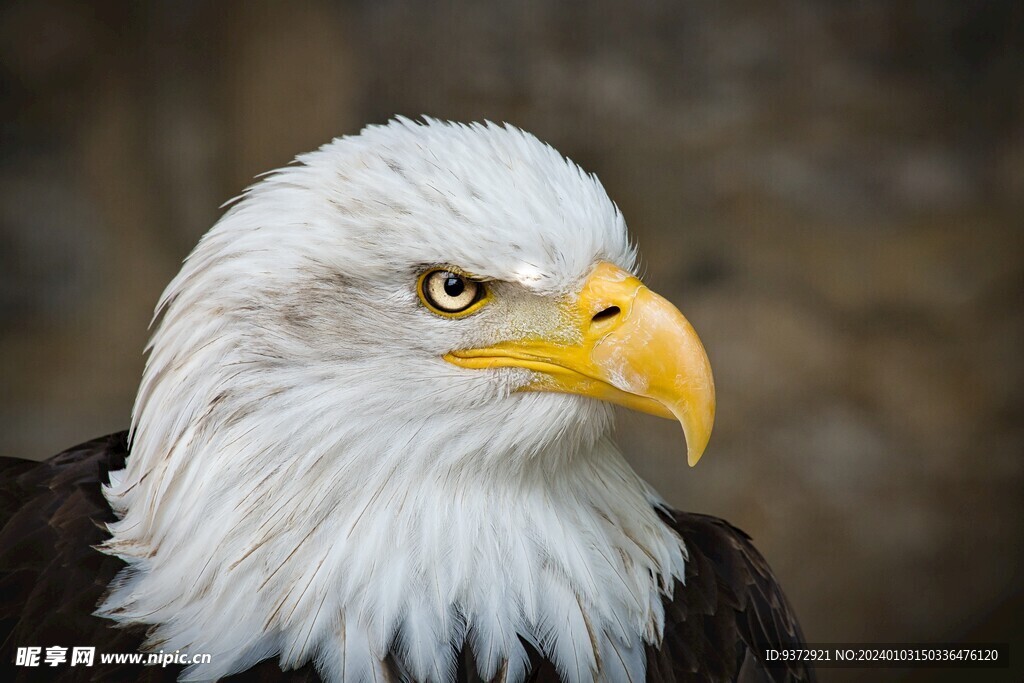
(51, 578)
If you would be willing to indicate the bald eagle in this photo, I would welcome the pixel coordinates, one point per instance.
(372, 443)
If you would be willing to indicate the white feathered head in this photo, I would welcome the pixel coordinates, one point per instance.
(367, 430)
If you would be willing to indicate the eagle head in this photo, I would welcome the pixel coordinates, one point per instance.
(374, 422)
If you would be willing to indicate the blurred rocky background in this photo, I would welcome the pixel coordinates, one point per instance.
(832, 191)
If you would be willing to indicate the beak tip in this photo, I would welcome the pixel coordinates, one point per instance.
(697, 438)
(697, 434)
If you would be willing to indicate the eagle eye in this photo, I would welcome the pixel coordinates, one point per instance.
(449, 293)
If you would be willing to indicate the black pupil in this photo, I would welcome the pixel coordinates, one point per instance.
(454, 286)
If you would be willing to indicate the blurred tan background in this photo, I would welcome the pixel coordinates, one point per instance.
(832, 192)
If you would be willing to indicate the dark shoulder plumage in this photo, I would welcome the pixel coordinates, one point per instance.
(51, 578)
(730, 606)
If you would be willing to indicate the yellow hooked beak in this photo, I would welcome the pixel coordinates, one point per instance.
(629, 346)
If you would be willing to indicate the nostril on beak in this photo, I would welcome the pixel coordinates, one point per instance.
(606, 314)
